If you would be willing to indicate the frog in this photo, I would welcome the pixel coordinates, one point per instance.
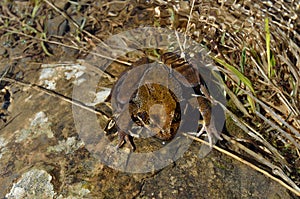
(154, 106)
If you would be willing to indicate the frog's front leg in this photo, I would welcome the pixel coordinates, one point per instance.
(124, 122)
(124, 137)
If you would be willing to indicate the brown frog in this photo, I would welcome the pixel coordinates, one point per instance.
(155, 107)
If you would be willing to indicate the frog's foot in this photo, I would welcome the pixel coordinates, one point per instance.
(124, 137)
(211, 131)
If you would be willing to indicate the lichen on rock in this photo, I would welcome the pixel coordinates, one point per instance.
(35, 183)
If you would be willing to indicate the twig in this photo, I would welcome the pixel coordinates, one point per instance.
(188, 23)
(9, 121)
(55, 94)
(73, 47)
(272, 113)
(275, 169)
(252, 133)
(279, 93)
(288, 136)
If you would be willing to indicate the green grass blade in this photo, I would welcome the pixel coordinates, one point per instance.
(251, 102)
(243, 60)
(241, 77)
(36, 7)
(43, 36)
(268, 41)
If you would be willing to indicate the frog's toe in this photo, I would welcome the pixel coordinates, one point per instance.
(212, 134)
(210, 140)
(124, 137)
(215, 133)
(201, 131)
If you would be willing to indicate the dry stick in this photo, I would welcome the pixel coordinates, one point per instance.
(254, 134)
(62, 97)
(248, 129)
(275, 169)
(246, 163)
(271, 112)
(280, 94)
(295, 74)
(188, 23)
(73, 47)
(289, 137)
(89, 68)
(251, 132)
(182, 48)
(55, 94)
(9, 121)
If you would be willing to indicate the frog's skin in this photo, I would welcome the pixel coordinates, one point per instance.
(154, 106)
